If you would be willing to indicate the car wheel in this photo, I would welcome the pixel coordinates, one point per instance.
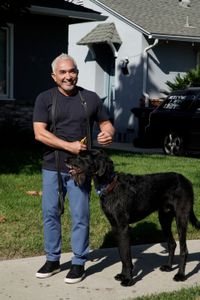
(173, 144)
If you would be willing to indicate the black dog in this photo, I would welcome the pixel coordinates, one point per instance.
(127, 198)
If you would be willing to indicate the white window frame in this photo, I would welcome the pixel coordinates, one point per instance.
(8, 95)
(198, 58)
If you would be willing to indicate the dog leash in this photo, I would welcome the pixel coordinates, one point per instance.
(88, 131)
(57, 158)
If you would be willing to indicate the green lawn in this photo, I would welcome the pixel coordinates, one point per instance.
(21, 230)
(184, 294)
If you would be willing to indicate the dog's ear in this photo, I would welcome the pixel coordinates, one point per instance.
(102, 162)
(80, 179)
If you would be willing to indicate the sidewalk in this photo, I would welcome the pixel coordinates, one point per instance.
(18, 281)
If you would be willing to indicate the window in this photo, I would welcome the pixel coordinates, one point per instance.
(6, 62)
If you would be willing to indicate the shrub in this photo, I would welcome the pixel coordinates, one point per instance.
(191, 78)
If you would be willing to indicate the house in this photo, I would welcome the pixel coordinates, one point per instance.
(27, 47)
(131, 55)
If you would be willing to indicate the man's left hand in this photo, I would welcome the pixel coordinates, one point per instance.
(104, 138)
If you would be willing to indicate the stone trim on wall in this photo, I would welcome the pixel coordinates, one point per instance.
(16, 123)
(16, 114)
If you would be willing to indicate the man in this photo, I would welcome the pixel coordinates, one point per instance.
(71, 127)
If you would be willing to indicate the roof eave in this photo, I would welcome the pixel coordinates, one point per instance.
(97, 42)
(153, 35)
(40, 10)
(179, 38)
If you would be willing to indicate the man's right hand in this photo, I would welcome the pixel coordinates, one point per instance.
(76, 147)
(48, 138)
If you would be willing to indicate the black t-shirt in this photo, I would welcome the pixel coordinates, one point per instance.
(71, 120)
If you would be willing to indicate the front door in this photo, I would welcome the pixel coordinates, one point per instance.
(105, 75)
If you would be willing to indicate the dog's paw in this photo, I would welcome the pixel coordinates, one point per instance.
(165, 268)
(127, 282)
(119, 277)
(179, 277)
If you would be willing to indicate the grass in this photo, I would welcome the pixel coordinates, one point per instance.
(184, 294)
(21, 230)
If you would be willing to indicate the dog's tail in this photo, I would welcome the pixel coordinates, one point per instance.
(193, 220)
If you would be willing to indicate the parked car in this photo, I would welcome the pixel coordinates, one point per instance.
(175, 124)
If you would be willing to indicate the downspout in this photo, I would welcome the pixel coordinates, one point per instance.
(115, 53)
(145, 71)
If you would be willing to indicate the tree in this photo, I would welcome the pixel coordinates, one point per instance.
(191, 78)
(10, 10)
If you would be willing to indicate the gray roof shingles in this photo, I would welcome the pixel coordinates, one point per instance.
(105, 32)
(159, 17)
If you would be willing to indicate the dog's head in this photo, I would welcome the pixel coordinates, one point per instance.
(89, 163)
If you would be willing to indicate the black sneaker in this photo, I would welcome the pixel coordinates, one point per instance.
(50, 268)
(76, 274)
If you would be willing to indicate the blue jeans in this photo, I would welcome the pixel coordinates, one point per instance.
(80, 217)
